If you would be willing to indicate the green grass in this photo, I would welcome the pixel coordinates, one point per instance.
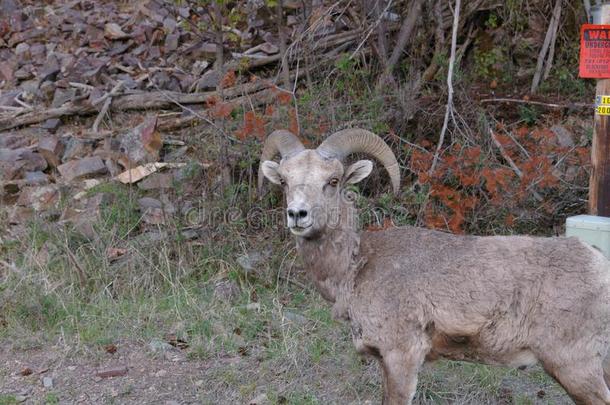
(51, 399)
(8, 400)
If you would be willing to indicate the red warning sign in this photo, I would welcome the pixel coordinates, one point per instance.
(595, 51)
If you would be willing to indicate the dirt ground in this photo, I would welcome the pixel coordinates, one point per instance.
(167, 376)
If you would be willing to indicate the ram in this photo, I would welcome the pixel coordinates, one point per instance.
(413, 295)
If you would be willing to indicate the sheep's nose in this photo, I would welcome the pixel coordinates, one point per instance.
(297, 214)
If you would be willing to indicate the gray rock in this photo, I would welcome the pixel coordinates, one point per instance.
(50, 147)
(564, 137)
(24, 74)
(76, 148)
(62, 96)
(20, 398)
(176, 154)
(159, 346)
(226, 290)
(148, 202)
(22, 50)
(269, 48)
(259, 400)
(82, 168)
(295, 318)
(47, 382)
(209, 80)
(51, 124)
(36, 178)
(251, 260)
(157, 181)
(199, 67)
(39, 198)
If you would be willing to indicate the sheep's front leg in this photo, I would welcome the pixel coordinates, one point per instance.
(400, 368)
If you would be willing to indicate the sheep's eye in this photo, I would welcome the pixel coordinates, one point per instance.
(282, 182)
(334, 182)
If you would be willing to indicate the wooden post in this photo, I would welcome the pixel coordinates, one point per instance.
(599, 184)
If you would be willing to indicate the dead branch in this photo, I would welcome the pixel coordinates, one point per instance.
(570, 106)
(370, 30)
(282, 37)
(36, 117)
(115, 90)
(382, 41)
(134, 101)
(106, 105)
(219, 62)
(549, 60)
(449, 108)
(549, 40)
(405, 33)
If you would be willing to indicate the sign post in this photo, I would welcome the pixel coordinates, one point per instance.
(595, 63)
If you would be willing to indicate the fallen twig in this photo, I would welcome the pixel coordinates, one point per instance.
(541, 103)
(106, 105)
(115, 90)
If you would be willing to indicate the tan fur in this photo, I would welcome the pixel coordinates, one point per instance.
(414, 294)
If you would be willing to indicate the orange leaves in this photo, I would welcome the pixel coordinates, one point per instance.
(453, 202)
(228, 79)
(497, 182)
(421, 161)
(219, 109)
(254, 125)
(472, 154)
(269, 110)
(284, 98)
(528, 176)
(294, 121)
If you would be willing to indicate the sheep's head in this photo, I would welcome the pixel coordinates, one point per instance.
(313, 179)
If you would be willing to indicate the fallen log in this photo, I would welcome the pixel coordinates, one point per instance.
(133, 101)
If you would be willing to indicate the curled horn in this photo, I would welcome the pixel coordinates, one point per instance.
(283, 142)
(354, 140)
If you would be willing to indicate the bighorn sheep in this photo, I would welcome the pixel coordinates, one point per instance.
(413, 295)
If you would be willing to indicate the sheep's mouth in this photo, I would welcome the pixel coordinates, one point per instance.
(299, 230)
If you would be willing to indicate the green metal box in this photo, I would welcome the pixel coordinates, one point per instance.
(591, 229)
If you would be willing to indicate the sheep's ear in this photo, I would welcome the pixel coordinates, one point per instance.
(358, 171)
(270, 171)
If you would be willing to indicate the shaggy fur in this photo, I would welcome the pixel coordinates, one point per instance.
(414, 295)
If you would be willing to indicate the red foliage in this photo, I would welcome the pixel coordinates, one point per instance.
(228, 80)
(254, 125)
(269, 110)
(294, 122)
(218, 109)
(284, 98)
(464, 180)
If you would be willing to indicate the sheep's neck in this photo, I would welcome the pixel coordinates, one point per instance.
(332, 261)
